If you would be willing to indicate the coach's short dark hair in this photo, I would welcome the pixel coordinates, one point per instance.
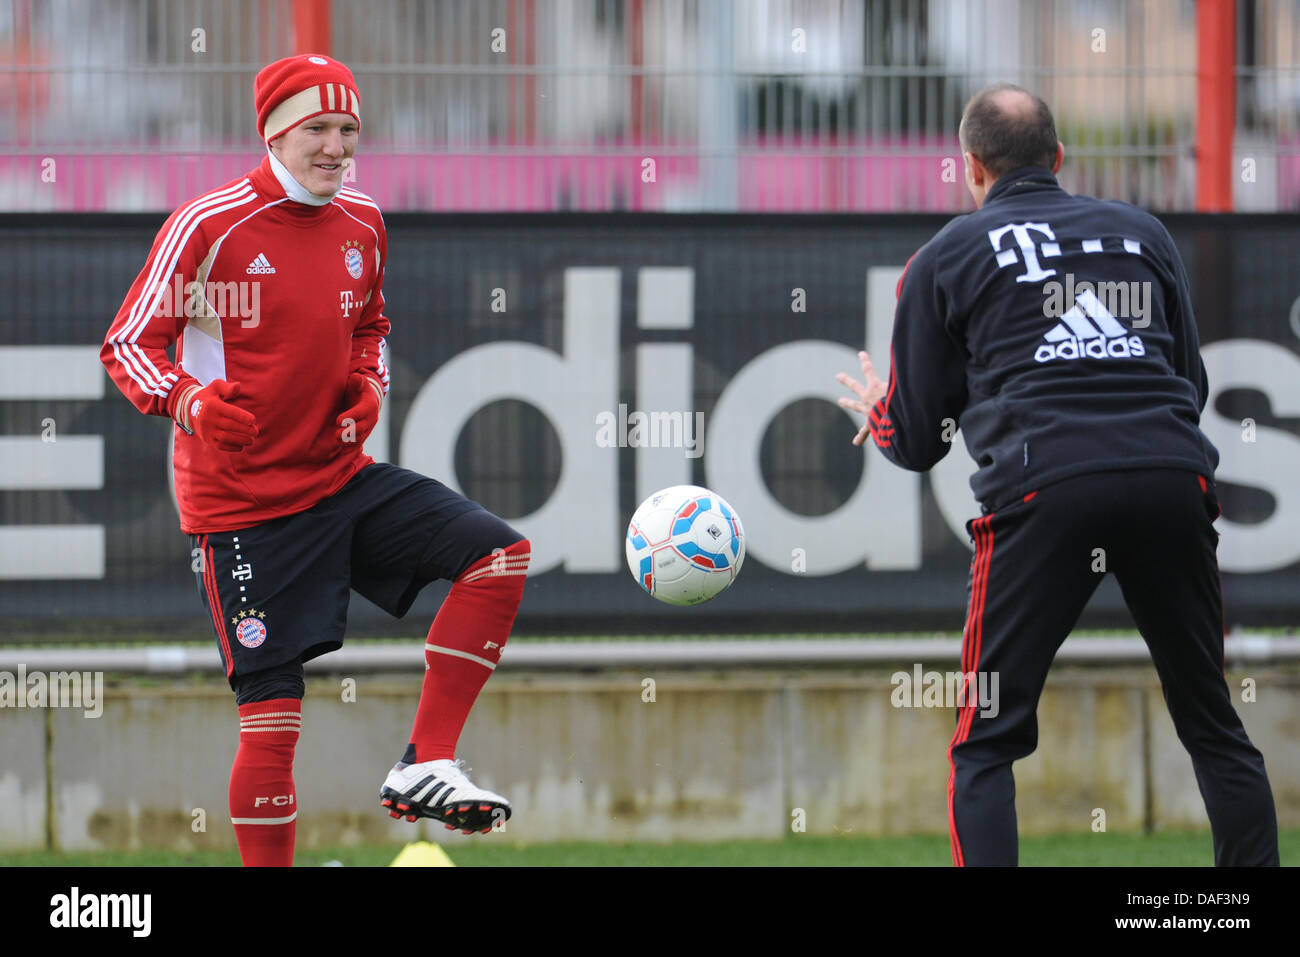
(1008, 139)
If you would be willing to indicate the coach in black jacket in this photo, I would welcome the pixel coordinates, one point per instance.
(1057, 332)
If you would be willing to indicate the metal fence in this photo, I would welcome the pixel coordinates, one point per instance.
(676, 105)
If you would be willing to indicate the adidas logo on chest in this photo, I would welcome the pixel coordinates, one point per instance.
(260, 265)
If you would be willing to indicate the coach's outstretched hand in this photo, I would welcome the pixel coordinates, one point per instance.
(214, 420)
(359, 419)
(868, 395)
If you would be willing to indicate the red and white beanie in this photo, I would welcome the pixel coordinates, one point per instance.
(297, 88)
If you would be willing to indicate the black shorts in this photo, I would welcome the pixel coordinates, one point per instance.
(278, 592)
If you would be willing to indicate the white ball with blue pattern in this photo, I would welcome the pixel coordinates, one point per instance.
(685, 545)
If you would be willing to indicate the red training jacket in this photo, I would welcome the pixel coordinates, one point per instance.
(285, 299)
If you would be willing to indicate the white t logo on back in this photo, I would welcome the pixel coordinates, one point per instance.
(1020, 232)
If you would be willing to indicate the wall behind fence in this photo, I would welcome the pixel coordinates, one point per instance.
(523, 348)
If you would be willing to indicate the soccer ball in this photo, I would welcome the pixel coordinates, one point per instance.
(685, 545)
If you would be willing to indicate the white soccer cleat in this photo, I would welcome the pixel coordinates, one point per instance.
(440, 790)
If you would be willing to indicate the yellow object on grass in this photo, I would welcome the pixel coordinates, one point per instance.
(422, 854)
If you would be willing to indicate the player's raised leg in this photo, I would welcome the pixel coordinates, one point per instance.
(1169, 574)
(461, 652)
(415, 530)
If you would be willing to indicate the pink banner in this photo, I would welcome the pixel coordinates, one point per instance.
(920, 179)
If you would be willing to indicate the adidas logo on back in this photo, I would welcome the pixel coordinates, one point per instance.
(1088, 329)
(260, 265)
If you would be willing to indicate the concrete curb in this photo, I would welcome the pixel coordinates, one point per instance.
(597, 655)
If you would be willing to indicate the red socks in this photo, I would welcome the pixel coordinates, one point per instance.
(464, 647)
(263, 804)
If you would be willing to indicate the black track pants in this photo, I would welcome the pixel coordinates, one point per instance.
(1032, 574)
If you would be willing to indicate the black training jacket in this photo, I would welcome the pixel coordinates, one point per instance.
(1027, 323)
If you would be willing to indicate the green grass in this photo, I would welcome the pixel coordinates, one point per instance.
(1166, 849)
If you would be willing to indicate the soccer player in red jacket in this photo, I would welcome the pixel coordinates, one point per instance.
(271, 290)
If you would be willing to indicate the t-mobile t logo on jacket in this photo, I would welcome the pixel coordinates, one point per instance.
(1020, 234)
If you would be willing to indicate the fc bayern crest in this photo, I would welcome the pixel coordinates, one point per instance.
(352, 259)
(250, 632)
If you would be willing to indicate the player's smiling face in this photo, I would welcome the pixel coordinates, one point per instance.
(317, 151)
